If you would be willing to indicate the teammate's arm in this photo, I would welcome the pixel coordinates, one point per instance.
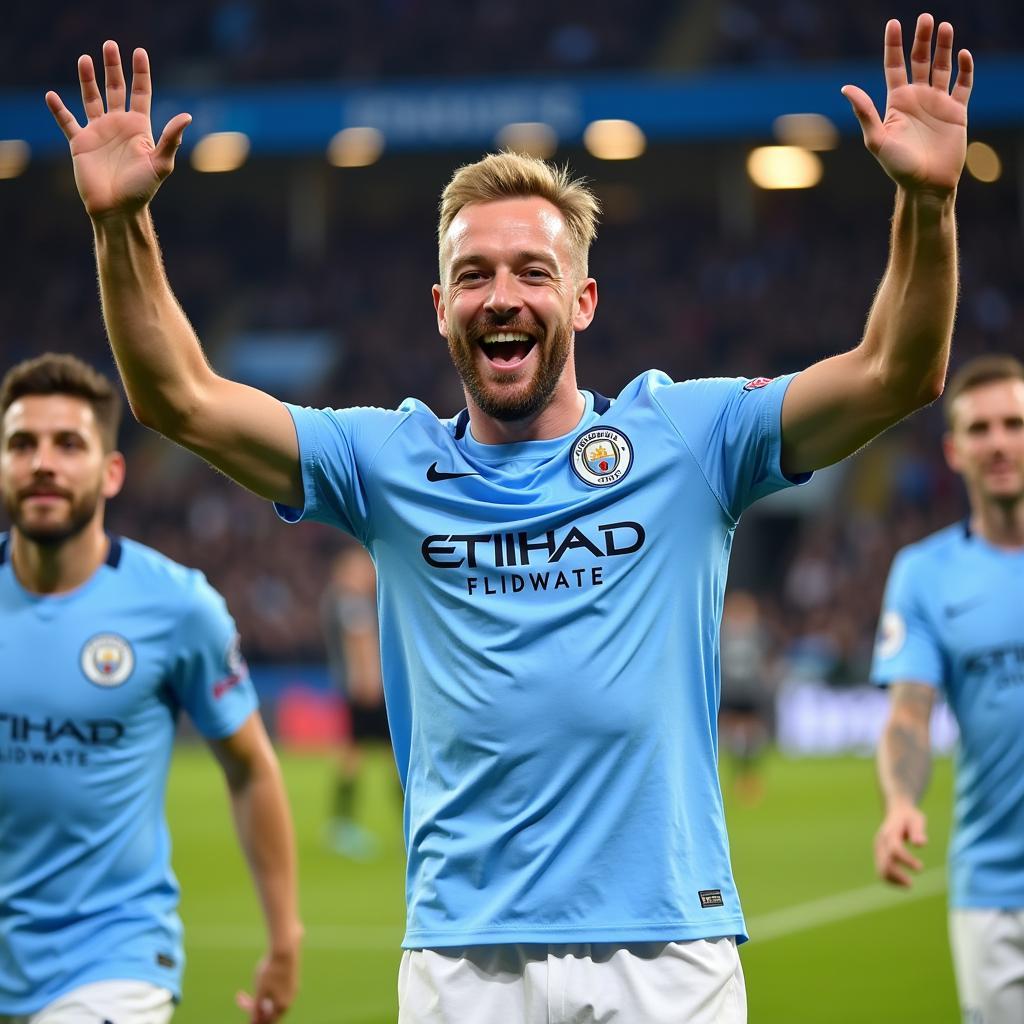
(904, 768)
(118, 168)
(839, 404)
(264, 826)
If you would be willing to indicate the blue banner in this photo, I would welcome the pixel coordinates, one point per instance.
(432, 114)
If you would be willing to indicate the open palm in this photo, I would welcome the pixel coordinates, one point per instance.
(118, 166)
(922, 141)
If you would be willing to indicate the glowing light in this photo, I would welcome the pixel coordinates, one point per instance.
(220, 151)
(614, 140)
(14, 154)
(356, 147)
(983, 162)
(776, 167)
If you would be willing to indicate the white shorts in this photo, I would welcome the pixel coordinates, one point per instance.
(988, 958)
(105, 1002)
(699, 982)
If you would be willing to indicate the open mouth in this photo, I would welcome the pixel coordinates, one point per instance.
(506, 349)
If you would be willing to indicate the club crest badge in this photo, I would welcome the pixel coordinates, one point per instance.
(892, 635)
(107, 660)
(601, 456)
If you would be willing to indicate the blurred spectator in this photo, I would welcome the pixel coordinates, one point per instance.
(348, 615)
(745, 720)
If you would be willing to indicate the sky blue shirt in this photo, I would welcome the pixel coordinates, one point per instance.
(953, 618)
(549, 616)
(92, 684)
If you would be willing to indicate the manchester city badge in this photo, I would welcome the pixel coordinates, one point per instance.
(107, 659)
(601, 456)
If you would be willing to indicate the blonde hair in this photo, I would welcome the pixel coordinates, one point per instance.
(508, 175)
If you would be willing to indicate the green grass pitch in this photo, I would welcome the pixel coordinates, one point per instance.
(829, 946)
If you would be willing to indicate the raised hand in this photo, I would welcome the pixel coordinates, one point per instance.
(118, 167)
(922, 141)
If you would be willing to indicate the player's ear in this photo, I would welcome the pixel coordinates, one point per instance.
(586, 305)
(113, 474)
(949, 450)
(440, 310)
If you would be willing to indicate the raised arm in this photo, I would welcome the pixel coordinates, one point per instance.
(904, 767)
(841, 403)
(171, 387)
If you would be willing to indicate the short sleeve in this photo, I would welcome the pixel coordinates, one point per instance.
(733, 428)
(336, 449)
(210, 679)
(906, 647)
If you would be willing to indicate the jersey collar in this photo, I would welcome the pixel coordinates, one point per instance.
(600, 405)
(113, 554)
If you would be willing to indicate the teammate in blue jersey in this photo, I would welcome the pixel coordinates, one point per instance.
(551, 563)
(104, 642)
(952, 623)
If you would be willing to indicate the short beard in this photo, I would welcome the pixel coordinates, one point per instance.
(521, 404)
(53, 535)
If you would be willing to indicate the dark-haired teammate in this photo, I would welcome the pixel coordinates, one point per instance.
(103, 642)
(551, 563)
(953, 622)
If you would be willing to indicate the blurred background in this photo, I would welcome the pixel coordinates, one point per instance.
(745, 229)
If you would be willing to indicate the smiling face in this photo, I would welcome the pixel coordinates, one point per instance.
(509, 305)
(54, 472)
(986, 441)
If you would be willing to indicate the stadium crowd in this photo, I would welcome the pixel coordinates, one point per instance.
(239, 41)
(249, 40)
(749, 32)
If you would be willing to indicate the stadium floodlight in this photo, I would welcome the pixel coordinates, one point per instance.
(809, 131)
(983, 162)
(220, 151)
(356, 147)
(531, 138)
(614, 139)
(776, 167)
(14, 154)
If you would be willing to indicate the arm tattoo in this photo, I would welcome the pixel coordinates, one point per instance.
(909, 759)
(906, 761)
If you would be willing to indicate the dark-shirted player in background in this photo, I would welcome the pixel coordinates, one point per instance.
(747, 708)
(103, 642)
(348, 614)
(953, 623)
(551, 563)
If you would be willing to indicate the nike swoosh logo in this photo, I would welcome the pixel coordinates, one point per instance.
(434, 474)
(953, 610)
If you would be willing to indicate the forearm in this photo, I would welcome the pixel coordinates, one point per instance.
(909, 329)
(264, 828)
(157, 352)
(904, 762)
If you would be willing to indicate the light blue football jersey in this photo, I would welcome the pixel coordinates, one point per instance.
(953, 618)
(91, 685)
(549, 615)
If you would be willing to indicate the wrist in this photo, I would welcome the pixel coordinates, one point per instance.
(926, 202)
(116, 223)
(286, 942)
(899, 803)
